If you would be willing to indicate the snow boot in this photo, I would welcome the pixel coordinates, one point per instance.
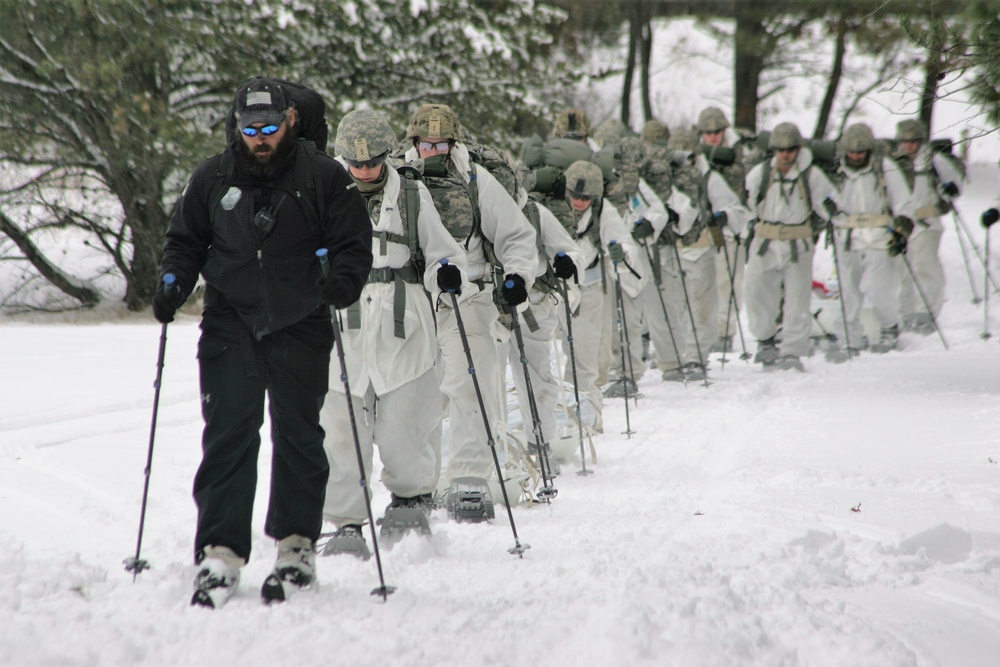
(840, 355)
(218, 577)
(617, 388)
(888, 340)
(406, 514)
(553, 467)
(469, 499)
(767, 352)
(920, 323)
(295, 569)
(348, 539)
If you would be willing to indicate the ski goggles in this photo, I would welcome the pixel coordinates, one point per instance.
(370, 163)
(580, 196)
(267, 130)
(439, 146)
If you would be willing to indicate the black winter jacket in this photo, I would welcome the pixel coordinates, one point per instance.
(272, 280)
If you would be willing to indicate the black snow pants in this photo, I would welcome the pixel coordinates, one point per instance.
(292, 367)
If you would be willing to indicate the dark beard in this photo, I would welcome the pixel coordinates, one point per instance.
(266, 168)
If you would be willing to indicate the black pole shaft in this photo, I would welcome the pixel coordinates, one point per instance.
(136, 564)
(657, 282)
(622, 343)
(576, 384)
(536, 421)
(518, 549)
(840, 277)
(687, 300)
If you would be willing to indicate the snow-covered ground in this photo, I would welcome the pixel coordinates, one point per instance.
(849, 515)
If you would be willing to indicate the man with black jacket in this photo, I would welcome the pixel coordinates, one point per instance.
(248, 224)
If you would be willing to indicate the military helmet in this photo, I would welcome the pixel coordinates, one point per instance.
(572, 124)
(632, 151)
(584, 178)
(911, 130)
(857, 138)
(364, 134)
(655, 132)
(437, 121)
(610, 131)
(683, 140)
(785, 135)
(712, 119)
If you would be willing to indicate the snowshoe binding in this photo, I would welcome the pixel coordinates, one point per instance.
(469, 499)
(888, 340)
(404, 515)
(618, 387)
(294, 570)
(350, 540)
(840, 355)
(767, 352)
(218, 577)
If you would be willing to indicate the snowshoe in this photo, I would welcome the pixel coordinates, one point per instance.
(617, 388)
(294, 570)
(347, 540)
(694, 371)
(888, 340)
(404, 515)
(674, 375)
(217, 579)
(840, 355)
(921, 323)
(469, 499)
(789, 362)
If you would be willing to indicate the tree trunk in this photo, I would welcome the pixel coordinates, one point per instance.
(748, 56)
(833, 83)
(633, 45)
(147, 226)
(81, 291)
(933, 69)
(645, 55)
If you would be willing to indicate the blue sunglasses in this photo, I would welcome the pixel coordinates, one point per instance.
(267, 130)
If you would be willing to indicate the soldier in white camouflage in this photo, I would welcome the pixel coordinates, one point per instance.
(934, 181)
(502, 258)
(389, 340)
(717, 136)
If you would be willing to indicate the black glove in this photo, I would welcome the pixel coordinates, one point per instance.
(167, 300)
(643, 229)
(672, 217)
(949, 189)
(830, 206)
(563, 266)
(720, 220)
(335, 293)
(616, 253)
(990, 216)
(513, 290)
(897, 244)
(449, 278)
(902, 226)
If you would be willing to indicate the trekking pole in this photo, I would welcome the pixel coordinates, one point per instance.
(923, 298)
(135, 564)
(517, 549)
(383, 590)
(968, 269)
(831, 236)
(622, 341)
(576, 385)
(694, 327)
(975, 246)
(733, 304)
(657, 282)
(990, 217)
(548, 491)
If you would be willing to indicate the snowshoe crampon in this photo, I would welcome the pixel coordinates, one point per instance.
(398, 521)
(469, 499)
(215, 584)
(347, 540)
